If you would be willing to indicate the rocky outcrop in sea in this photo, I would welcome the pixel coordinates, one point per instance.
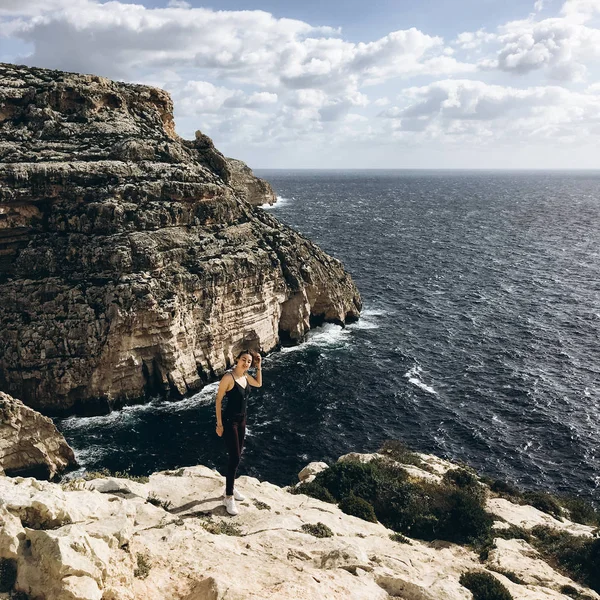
(134, 262)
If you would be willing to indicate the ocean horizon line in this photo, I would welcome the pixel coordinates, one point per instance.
(462, 169)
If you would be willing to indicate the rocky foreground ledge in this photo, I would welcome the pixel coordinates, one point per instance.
(169, 537)
(134, 262)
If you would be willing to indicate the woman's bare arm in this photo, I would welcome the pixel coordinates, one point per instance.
(257, 362)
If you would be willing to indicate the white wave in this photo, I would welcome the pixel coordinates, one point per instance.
(368, 319)
(281, 201)
(91, 454)
(129, 414)
(414, 377)
(328, 335)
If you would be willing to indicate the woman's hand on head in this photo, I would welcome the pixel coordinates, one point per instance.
(257, 358)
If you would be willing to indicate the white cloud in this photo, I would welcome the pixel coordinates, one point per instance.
(561, 46)
(251, 47)
(252, 80)
(382, 101)
(475, 109)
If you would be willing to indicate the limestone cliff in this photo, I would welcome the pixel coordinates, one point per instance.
(30, 442)
(116, 539)
(133, 261)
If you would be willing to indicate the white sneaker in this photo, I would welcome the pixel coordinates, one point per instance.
(230, 505)
(238, 496)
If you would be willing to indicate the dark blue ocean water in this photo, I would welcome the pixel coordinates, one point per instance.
(479, 338)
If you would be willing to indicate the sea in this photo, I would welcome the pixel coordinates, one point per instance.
(479, 338)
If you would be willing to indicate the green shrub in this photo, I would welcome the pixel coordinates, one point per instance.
(314, 490)
(578, 556)
(484, 586)
(318, 529)
(398, 537)
(581, 511)
(401, 453)
(417, 508)
(545, 502)
(346, 477)
(460, 477)
(8, 574)
(505, 488)
(569, 590)
(357, 507)
(261, 505)
(514, 532)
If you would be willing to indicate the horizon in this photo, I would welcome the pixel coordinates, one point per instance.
(393, 85)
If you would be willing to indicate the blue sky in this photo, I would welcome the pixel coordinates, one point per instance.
(353, 84)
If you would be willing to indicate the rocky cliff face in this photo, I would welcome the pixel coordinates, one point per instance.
(133, 261)
(29, 442)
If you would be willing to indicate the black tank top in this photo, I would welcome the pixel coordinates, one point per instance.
(237, 399)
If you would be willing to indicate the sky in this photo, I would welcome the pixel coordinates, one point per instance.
(345, 83)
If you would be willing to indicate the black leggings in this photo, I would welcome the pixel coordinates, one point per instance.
(234, 431)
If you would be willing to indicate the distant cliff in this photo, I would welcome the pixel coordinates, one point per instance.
(133, 261)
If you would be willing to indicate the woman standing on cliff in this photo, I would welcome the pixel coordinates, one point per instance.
(231, 421)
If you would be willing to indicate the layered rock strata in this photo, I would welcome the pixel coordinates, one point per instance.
(29, 442)
(133, 261)
(115, 539)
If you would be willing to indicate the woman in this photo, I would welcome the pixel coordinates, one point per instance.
(231, 422)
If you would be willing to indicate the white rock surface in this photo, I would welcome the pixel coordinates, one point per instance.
(527, 517)
(311, 470)
(85, 544)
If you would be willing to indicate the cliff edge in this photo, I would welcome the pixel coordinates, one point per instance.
(169, 536)
(132, 261)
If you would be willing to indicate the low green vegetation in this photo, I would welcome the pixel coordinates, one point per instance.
(508, 574)
(143, 566)
(460, 477)
(484, 586)
(575, 509)
(413, 507)
(156, 501)
(401, 539)
(398, 451)
(314, 490)
(318, 529)
(543, 501)
(572, 592)
(577, 556)
(220, 527)
(261, 505)
(357, 507)
(102, 474)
